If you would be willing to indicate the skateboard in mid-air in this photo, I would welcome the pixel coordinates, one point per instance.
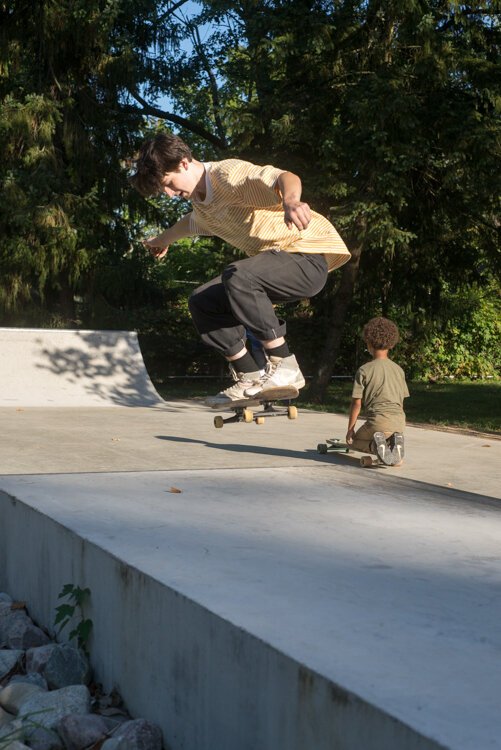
(267, 407)
(335, 445)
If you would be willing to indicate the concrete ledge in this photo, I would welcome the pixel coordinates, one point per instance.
(241, 614)
(206, 682)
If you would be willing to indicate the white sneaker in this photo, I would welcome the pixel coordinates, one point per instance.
(381, 448)
(280, 372)
(236, 392)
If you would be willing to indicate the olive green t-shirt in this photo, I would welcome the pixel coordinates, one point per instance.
(381, 385)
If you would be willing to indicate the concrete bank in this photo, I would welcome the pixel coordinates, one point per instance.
(281, 599)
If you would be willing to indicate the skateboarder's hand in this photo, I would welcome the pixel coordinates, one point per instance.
(156, 247)
(297, 213)
(349, 436)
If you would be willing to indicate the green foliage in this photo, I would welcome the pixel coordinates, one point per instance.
(21, 734)
(462, 341)
(76, 598)
(458, 337)
(390, 114)
(388, 111)
(66, 71)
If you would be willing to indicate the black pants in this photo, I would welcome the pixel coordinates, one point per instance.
(243, 297)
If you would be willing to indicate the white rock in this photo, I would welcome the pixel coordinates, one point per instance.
(50, 707)
(82, 731)
(13, 695)
(5, 717)
(9, 657)
(15, 745)
(32, 678)
(12, 732)
(37, 658)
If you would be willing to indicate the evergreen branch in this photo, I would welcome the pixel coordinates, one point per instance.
(184, 122)
(464, 12)
(171, 10)
(216, 104)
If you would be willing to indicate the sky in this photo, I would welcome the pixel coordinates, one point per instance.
(188, 10)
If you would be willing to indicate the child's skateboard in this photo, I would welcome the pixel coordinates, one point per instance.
(243, 408)
(334, 445)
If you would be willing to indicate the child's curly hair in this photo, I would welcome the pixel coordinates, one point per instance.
(381, 333)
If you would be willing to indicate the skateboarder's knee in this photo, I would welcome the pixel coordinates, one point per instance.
(234, 278)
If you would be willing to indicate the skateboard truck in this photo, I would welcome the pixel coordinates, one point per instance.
(242, 411)
(245, 414)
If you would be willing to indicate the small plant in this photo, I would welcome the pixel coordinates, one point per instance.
(21, 733)
(66, 612)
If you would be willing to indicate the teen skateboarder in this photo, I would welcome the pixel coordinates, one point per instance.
(290, 250)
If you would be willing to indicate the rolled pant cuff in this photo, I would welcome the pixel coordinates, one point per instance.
(272, 333)
(234, 349)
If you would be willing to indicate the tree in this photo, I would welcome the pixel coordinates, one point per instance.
(388, 111)
(396, 106)
(68, 74)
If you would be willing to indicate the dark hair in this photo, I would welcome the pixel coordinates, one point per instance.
(156, 157)
(381, 333)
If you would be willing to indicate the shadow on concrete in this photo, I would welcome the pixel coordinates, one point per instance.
(71, 367)
(107, 356)
(240, 448)
(377, 474)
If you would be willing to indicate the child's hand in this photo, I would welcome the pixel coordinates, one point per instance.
(157, 248)
(297, 213)
(349, 436)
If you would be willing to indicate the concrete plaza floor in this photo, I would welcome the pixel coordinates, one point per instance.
(181, 434)
(382, 582)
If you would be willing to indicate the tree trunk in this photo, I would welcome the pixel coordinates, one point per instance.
(67, 301)
(342, 301)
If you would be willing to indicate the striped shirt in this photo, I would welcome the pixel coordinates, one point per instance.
(243, 207)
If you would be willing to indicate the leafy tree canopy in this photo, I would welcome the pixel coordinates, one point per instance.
(389, 111)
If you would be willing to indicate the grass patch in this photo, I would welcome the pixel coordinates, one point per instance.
(466, 405)
(474, 406)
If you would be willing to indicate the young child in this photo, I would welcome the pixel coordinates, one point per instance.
(290, 251)
(380, 388)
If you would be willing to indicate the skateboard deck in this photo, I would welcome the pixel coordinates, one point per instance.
(335, 445)
(243, 410)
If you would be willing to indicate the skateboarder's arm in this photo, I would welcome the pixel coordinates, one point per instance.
(296, 212)
(356, 405)
(159, 245)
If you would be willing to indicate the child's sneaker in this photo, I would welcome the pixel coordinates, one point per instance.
(280, 372)
(236, 392)
(397, 448)
(382, 449)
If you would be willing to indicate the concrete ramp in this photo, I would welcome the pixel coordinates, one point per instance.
(53, 367)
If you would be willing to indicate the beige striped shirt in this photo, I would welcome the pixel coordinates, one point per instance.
(243, 206)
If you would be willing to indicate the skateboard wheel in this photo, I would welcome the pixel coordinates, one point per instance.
(322, 449)
(247, 415)
(292, 412)
(366, 461)
(259, 420)
(218, 422)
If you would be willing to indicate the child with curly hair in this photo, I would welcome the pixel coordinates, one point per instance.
(379, 388)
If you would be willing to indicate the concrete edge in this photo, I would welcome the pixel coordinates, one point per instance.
(218, 685)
